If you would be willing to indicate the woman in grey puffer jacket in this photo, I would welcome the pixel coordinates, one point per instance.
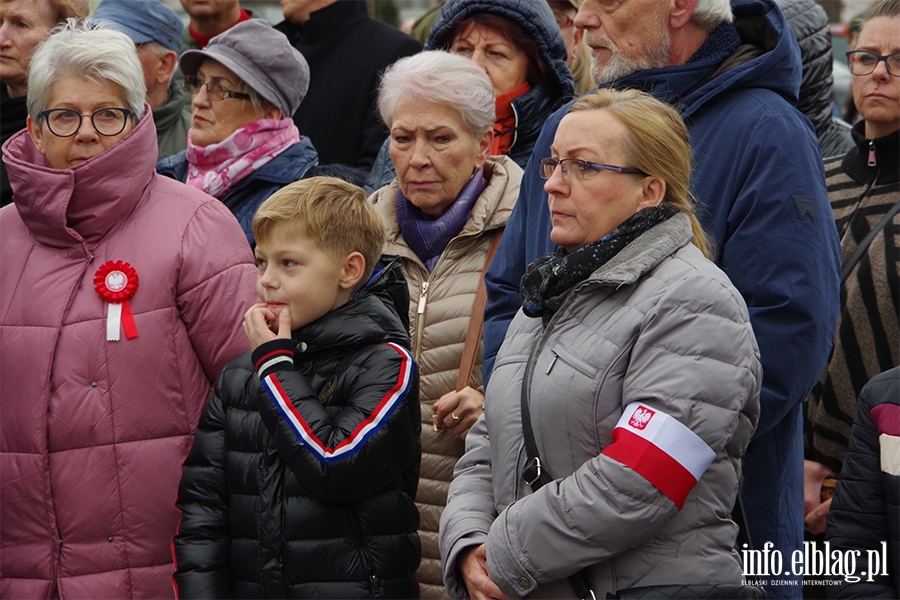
(641, 373)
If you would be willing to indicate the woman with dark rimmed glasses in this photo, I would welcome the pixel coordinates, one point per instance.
(122, 295)
(864, 190)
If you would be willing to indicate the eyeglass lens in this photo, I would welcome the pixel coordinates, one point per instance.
(862, 62)
(107, 121)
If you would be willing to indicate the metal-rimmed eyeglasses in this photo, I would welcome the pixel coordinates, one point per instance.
(65, 122)
(863, 62)
(581, 168)
(215, 91)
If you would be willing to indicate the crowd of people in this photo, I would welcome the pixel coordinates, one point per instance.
(320, 310)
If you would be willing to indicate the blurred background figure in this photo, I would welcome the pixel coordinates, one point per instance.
(156, 31)
(209, 18)
(809, 23)
(864, 189)
(23, 25)
(100, 405)
(243, 145)
(448, 204)
(519, 44)
(578, 54)
(347, 52)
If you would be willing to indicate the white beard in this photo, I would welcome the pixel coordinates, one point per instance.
(618, 66)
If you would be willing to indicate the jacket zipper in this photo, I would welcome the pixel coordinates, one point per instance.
(420, 313)
(364, 551)
(423, 295)
(871, 162)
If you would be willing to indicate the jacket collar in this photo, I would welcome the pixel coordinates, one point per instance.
(329, 22)
(69, 207)
(491, 210)
(887, 158)
(646, 252)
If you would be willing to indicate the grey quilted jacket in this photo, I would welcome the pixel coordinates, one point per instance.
(657, 324)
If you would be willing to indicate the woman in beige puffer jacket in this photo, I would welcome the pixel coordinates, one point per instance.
(439, 140)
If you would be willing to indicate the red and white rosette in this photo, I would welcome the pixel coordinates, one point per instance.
(117, 282)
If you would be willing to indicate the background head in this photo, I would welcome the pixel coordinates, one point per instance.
(528, 24)
(82, 68)
(211, 9)
(502, 49)
(654, 140)
(254, 59)
(439, 108)
(646, 34)
(23, 25)
(333, 213)
(565, 12)
(877, 93)
(156, 31)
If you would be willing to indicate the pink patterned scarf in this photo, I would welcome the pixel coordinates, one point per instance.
(218, 167)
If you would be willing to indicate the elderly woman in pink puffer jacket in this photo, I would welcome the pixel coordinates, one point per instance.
(121, 295)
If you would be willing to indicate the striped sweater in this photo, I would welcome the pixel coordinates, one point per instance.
(868, 335)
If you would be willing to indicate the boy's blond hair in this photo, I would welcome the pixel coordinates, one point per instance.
(333, 213)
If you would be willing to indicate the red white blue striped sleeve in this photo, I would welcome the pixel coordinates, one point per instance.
(366, 429)
(661, 450)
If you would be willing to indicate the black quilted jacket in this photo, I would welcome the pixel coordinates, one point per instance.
(809, 22)
(301, 479)
(865, 512)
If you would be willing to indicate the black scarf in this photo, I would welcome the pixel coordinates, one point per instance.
(549, 279)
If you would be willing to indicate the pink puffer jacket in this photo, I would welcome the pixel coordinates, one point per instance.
(93, 433)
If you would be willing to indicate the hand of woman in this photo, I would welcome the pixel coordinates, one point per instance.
(261, 325)
(474, 570)
(814, 473)
(814, 522)
(458, 411)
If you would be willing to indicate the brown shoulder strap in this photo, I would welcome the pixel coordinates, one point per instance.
(476, 321)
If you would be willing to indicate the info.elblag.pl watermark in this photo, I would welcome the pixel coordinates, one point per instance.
(813, 561)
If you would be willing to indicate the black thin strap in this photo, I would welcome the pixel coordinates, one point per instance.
(536, 476)
(864, 244)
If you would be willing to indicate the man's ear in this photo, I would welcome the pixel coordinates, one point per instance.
(167, 64)
(34, 131)
(353, 270)
(681, 13)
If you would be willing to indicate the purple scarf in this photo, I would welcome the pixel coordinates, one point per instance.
(428, 237)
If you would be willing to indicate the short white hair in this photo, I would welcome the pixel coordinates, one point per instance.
(443, 78)
(709, 14)
(93, 52)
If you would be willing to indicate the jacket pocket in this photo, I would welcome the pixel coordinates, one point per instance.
(365, 554)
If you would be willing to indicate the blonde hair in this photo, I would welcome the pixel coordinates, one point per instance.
(657, 143)
(333, 213)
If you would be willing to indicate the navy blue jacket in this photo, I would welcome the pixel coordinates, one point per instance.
(759, 181)
(245, 197)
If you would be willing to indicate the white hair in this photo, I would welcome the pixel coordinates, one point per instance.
(443, 78)
(709, 14)
(81, 49)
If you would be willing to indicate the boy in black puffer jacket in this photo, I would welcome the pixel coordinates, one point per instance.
(303, 472)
